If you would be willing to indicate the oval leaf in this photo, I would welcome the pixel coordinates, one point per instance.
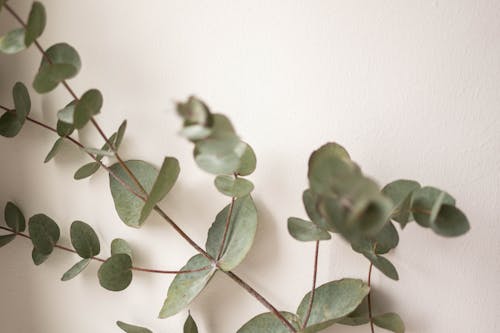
(390, 321)
(220, 156)
(306, 231)
(132, 328)
(427, 199)
(347, 295)
(120, 134)
(450, 222)
(89, 105)
(44, 233)
(115, 274)
(190, 325)
(75, 269)
(185, 287)
(128, 206)
(84, 240)
(169, 172)
(86, 170)
(268, 323)
(14, 217)
(240, 235)
(54, 150)
(36, 23)
(12, 42)
(232, 187)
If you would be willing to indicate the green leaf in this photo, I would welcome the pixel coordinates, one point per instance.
(232, 187)
(220, 156)
(44, 233)
(36, 23)
(383, 242)
(306, 231)
(75, 269)
(401, 193)
(248, 162)
(132, 328)
(64, 129)
(115, 274)
(195, 132)
(38, 258)
(120, 134)
(54, 150)
(6, 239)
(347, 295)
(14, 217)
(190, 325)
(268, 323)
(67, 114)
(84, 240)
(450, 222)
(169, 172)
(12, 122)
(2, 2)
(128, 206)
(390, 321)
(221, 126)
(240, 235)
(358, 317)
(12, 42)
(185, 287)
(86, 170)
(89, 105)
(64, 64)
(97, 151)
(119, 245)
(427, 199)
(194, 111)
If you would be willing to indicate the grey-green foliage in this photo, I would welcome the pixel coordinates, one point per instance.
(233, 187)
(186, 286)
(390, 321)
(11, 122)
(84, 240)
(190, 325)
(119, 245)
(240, 234)
(36, 23)
(306, 231)
(13, 41)
(14, 217)
(115, 274)
(75, 269)
(44, 233)
(54, 150)
(132, 328)
(268, 323)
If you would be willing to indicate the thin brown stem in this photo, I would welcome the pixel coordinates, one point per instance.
(134, 268)
(313, 290)
(369, 298)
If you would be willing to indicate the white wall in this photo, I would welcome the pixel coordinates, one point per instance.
(410, 88)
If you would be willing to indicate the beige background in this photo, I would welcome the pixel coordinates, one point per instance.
(410, 88)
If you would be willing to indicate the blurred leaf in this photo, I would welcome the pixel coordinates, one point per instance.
(44, 233)
(248, 162)
(120, 134)
(119, 245)
(358, 317)
(401, 193)
(115, 274)
(185, 287)
(132, 328)
(425, 200)
(390, 321)
(195, 132)
(383, 242)
(86, 170)
(128, 206)
(12, 122)
(6, 239)
(381, 263)
(169, 172)
(194, 111)
(268, 323)
(232, 187)
(310, 201)
(89, 105)
(306, 231)
(36, 23)
(221, 126)
(84, 240)
(13, 41)
(240, 235)
(37, 257)
(450, 222)
(347, 293)
(14, 217)
(64, 64)
(97, 151)
(54, 150)
(67, 114)
(221, 156)
(75, 269)
(190, 325)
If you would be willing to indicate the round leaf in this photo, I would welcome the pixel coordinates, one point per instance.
(306, 231)
(36, 23)
(64, 64)
(240, 235)
(248, 162)
(185, 287)
(268, 323)
(75, 269)
(132, 328)
(115, 274)
(84, 240)
(128, 206)
(44, 233)
(119, 245)
(14, 217)
(232, 187)
(220, 156)
(390, 321)
(12, 42)
(450, 222)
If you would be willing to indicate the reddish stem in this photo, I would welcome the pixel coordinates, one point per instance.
(313, 290)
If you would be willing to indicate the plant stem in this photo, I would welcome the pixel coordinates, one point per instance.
(313, 290)
(226, 228)
(370, 299)
(134, 268)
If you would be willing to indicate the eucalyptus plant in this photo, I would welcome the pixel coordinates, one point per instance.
(340, 199)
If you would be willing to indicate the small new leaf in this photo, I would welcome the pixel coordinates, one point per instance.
(75, 269)
(115, 274)
(190, 325)
(86, 170)
(132, 328)
(54, 150)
